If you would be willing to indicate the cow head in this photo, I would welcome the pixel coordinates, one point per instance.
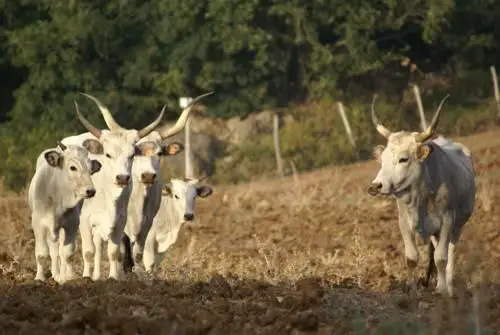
(151, 148)
(183, 193)
(117, 144)
(402, 157)
(74, 163)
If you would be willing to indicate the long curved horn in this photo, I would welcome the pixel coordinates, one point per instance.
(152, 126)
(423, 136)
(106, 114)
(91, 128)
(380, 127)
(181, 122)
(61, 145)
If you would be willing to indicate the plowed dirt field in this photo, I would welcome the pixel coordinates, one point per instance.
(308, 254)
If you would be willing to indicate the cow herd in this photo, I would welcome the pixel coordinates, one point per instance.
(107, 185)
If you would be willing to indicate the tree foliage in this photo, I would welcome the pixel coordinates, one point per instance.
(255, 54)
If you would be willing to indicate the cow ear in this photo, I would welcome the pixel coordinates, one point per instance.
(377, 152)
(172, 149)
(95, 166)
(167, 189)
(203, 191)
(93, 146)
(423, 151)
(54, 158)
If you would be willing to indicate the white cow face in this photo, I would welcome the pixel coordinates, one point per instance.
(118, 150)
(74, 163)
(183, 194)
(401, 159)
(148, 152)
(400, 163)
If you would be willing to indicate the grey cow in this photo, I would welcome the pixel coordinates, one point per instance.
(433, 182)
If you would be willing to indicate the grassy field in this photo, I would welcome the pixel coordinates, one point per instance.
(308, 254)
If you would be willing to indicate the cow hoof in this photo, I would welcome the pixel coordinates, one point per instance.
(40, 276)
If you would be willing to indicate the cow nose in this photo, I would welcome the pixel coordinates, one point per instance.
(90, 192)
(122, 179)
(148, 178)
(374, 189)
(188, 217)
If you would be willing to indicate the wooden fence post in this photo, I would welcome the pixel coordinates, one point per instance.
(347, 126)
(188, 162)
(277, 150)
(188, 158)
(421, 113)
(494, 78)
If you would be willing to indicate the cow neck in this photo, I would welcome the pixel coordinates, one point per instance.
(62, 187)
(173, 216)
(138, 195)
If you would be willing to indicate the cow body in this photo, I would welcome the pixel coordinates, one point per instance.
(177, 207)
(147, 186)
(434, 185)
(103, 218)
(61, 181)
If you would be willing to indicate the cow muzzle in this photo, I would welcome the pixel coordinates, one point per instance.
(148, 178)
(122, 180)
(89, 193)
(374, 189)
(188, 217)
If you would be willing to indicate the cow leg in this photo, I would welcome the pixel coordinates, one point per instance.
(137, 254)
(54, 256)
(148, 258)
(68, 246)
(441, 254)
(98, 255)
(450, 267)
(140, 243)
(411, 252)
(41, 248)
(114, 254)
(128, 262)
(88, 249)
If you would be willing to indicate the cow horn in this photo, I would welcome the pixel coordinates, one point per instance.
(152, 126)
(93, 130)
(380, 127)
(106, 114)
(61, 145)
(181, 122)
(423, 136)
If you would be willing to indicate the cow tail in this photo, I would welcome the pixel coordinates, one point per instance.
(431, 267)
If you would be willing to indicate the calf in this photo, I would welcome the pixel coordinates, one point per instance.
(60, 183)
(177, 207)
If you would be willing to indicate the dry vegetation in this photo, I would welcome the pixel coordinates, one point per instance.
(311, 253)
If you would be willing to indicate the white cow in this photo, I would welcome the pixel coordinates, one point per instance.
(103, 217)
(433, 182)
(177, 207)
(61, 181)
(147, 186)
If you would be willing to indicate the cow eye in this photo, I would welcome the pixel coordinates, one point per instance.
(108, 155)
(403, 160)
(176, 196)
(72, 168)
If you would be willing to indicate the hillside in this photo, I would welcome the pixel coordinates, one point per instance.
(308, 252)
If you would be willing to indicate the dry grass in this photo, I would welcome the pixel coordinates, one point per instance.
(320, 229)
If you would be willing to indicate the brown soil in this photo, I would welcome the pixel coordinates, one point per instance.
(308, 254)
